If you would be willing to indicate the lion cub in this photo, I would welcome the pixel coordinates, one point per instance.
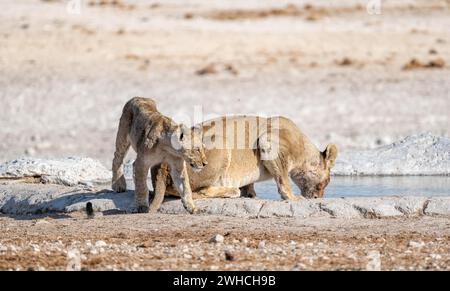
(156, 139)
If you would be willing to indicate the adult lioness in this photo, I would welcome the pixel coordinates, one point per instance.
(156, 139)
(273, 147)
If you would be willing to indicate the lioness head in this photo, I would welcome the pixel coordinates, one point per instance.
(312, 181)
(187, 143)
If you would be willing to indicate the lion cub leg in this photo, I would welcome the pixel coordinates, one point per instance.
(141, 195)
(281, 178)
(180, 179)
(118, 183)
(218, 192)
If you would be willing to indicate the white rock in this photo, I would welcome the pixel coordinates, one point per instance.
(41, 222)
(421, 154)
(30, 151)
(21, 198)
(67, 171)
(217, 239)
(374, 261)
(438, 207)
(262, 245)
(436, 256)
(73, 260)
(100, 244)
(414, 244)
(35, 248)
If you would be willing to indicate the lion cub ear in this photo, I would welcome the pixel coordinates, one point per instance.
(330, 155)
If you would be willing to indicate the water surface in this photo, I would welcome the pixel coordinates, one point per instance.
(371, 186)
(363, 187)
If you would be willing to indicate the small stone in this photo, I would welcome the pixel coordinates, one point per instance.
(217, 239)
(414, 244)
(30, 151)
(262, 244)
(436, 256)
(374, 261)
(100, 244)
(35, 248)
(73, 260)
(229, 256)
(41, 222)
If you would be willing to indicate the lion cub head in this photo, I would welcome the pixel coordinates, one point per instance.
(187, 144)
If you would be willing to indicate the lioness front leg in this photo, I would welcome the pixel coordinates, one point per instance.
(140, 173)
(281, 178)
(180, 180)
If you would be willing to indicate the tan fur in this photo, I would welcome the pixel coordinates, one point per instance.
(156, 139)
(231, 170)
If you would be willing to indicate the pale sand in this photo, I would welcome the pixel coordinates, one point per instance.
(64, 78)
(180, 242)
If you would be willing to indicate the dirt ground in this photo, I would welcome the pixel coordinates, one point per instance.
(343, 75)
(179, 242)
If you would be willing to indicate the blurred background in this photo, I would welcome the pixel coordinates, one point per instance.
(357, 73)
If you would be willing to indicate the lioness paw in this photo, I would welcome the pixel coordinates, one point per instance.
(299, 198)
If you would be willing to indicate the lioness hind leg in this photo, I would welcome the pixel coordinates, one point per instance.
(248, 191)
(218, 192)
(141, 195)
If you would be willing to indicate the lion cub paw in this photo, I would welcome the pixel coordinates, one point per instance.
(192, 209)
(143, 209)
(120, 185)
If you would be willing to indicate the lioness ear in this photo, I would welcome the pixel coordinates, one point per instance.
(330, 155)
(152, 133)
